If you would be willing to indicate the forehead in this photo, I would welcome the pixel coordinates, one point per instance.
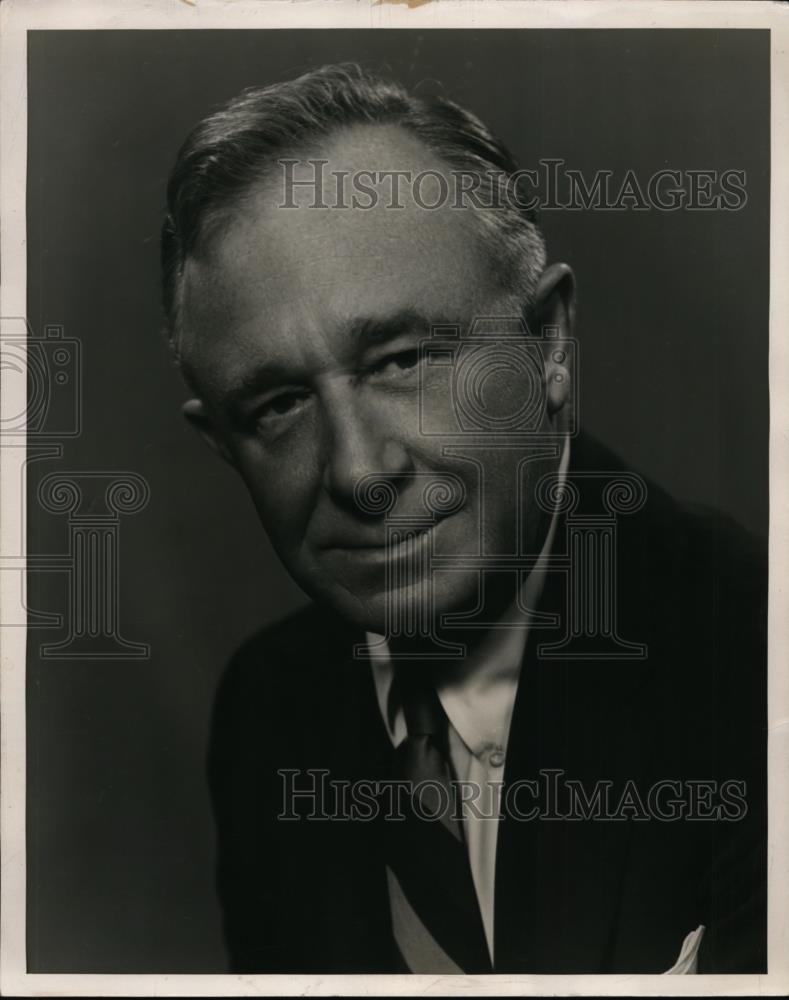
(290, 283)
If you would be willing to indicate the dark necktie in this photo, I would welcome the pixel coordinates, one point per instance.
(435, 914)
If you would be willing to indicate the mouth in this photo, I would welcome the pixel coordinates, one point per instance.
(400, 543)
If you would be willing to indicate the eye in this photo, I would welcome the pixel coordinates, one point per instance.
(281, 405)
(398, 364)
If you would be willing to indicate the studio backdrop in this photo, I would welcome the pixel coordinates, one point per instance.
(672, 328)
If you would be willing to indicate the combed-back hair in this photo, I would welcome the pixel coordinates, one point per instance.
(236, 146)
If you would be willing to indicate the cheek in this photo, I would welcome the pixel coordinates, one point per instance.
(283, 491)
(500, 509)
(435, 408)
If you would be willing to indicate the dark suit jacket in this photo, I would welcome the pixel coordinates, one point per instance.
(582, 896)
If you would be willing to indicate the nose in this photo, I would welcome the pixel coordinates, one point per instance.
(361, 444)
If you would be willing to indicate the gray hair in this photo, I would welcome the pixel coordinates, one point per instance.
(231, 149)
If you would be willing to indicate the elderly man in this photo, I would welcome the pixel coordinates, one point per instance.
(562, 667)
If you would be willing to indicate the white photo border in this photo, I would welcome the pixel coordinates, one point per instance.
(17, 17)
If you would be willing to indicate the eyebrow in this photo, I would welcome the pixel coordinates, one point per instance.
(372, 331)
(363, 333)
(263, 378)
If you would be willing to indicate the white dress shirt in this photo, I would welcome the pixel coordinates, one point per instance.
(478, 696)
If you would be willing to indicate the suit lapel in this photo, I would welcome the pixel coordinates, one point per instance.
(354, 747)
(559, 882)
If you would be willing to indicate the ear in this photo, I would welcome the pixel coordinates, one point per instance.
(553, 320)
(197, 415)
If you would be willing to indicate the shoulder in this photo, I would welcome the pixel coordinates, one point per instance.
(709, 567)
(691, 586)
(283, 657)
(735, 553)
(674, 544)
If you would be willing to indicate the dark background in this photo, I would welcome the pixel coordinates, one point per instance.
(673, 323)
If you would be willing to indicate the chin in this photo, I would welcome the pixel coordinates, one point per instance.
(405, 611)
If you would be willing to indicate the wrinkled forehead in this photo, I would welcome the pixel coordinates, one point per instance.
(284, 269)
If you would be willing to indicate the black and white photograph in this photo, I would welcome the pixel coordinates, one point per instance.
(394, 528)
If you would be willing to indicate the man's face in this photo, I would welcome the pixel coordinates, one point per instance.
(302, 328)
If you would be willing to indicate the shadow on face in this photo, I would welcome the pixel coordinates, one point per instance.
(305, 330)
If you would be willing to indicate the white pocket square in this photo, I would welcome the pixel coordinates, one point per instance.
(687, 962)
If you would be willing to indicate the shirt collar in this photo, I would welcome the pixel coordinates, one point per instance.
(478, 699)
